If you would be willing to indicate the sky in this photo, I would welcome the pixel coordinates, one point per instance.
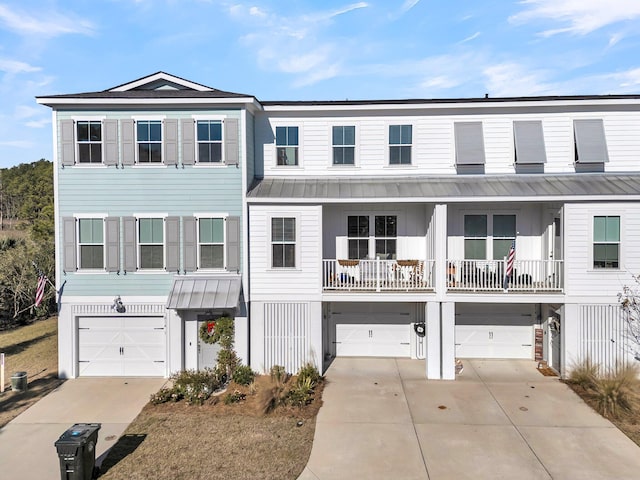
(309, 50)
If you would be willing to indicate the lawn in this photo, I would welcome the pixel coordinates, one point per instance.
(32, 349)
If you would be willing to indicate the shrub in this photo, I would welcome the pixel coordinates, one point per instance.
(278, 374)
(614, 392)
(302, 393)
(235, 397)
(196, 386)
(227, 362)
(584, 374)
(309, 371)
(164, 395)
(243, 375)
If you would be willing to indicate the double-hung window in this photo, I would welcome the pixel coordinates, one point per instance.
(89, 138)
(151, 243)
(283, 242)
(400, 144)
(479, 244)
(344, 145)
(386, 231)
(209, 141)
(358, 236)
(149, 141)
(287, 145)
(91, 243)
(210, 243)
(606, 242)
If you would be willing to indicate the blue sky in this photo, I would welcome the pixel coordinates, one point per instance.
(309, 50)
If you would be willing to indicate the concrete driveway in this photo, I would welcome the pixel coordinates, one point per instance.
(501, 419)
(27, 448)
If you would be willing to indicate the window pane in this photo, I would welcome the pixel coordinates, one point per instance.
(289, 255)
(289, 234)
(95, 133)
(406, 134)
(504, 226)
(95, 154)
(348, 155)
(292, 139)
(287, 155)
(155, 131)
(155, 152)
(358, 249)
(84, 153)
(599, 229)
(605, 256)
(475, 225)
(394, 155)
(349, 135)
(613, 229)
(211, 256)
(151, 230)
(204, 153)
(281, 135)
(277, 255)
(501, 248)
(277, 230)
(215, 131)
(203, 131)
(151, 256)
(386, 249)
(143, 131)
(338, 136)
(91, 256)
(90, 230)
(83, 131)
(475, 249)
(211, 230)
(394, 134)
(612, 256)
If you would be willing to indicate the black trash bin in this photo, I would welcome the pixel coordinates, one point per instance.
(77, 451)
(19, 381)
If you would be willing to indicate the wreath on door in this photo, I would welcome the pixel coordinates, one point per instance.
(207, 331)
(212, 331)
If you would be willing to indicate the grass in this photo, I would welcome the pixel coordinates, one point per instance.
(216, 440)
(615, 394)
(32, 349)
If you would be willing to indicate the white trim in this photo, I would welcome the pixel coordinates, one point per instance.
(220, 118)
(147, 118)
(296, 252)
(449, 200)
(78, 245)
(139, 269)
(198, 163)
(199, 244)
(596, 212)
(356, 143)
(88, 118)
(137, 142)
(78, 216)
(389, 145)
(198, 215)
(161, 76)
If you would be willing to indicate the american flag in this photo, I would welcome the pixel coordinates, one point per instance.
(511, 256)
(42, 283)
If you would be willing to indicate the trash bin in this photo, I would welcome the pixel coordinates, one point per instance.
(77, 451)
(19, 381)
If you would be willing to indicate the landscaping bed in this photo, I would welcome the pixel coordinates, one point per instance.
(218, 439)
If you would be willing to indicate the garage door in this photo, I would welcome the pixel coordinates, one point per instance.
(372, 330)
(122, 346)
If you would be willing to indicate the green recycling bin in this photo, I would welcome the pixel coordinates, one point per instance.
(77, 451)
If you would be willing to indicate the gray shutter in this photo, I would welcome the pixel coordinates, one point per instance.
(529, 141)
(172, 244)
(590, 140)
(128, 142)
(171, 142)
(469, 143)
(112, 243)
(67, 144)
(233, 243)
(129, 244)
(188, 142)
(231, 150)
(189, 244)
(110, 142)
(69, 242)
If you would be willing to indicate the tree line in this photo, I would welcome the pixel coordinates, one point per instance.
(26, 241)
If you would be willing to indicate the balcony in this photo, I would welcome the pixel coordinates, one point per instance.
(377, 275)
(533, 276)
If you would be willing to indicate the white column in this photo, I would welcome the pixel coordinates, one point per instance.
(241, 338)
(315, 334)
(190, 341)
(257, 336)
(440, 240)
(175, 342)
(569, 337)
(67, 361)
(432, 320)
(447, 334)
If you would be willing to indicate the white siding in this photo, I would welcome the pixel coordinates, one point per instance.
(301, 282)
(581, 279)
(433, 141)
(286, 335)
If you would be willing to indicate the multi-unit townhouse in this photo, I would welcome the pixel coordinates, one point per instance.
(430, 229)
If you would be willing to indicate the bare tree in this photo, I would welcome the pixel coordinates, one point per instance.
(629, 300)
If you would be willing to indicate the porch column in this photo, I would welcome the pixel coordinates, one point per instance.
(432, 320)
(447, 333)
(440, 250)
(569, 337)
(256, 335)
(175, 342)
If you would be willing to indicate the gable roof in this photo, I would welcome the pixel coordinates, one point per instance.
(160, 86)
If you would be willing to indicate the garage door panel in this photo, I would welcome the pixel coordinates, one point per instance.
(493, 341)
(121, 346)
(372, 340)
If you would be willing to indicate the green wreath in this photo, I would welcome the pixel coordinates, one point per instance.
(222, 331)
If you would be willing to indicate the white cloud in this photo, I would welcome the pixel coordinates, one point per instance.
(515, 80)
(470, 37)
(15, 66)
(26, 111)
(256, 12)
(38, 123)
(579, 16)
(408, 5)
(16, 143)
(44, 23)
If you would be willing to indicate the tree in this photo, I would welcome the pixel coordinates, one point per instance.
(629, 300)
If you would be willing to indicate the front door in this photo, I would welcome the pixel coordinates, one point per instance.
(207, 352)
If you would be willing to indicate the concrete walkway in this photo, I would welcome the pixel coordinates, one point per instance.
(27, 448)
(501, 419)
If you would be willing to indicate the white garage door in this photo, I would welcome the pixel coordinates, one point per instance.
(121, 346)
(372, 330)
(373, 340)
(494, 341)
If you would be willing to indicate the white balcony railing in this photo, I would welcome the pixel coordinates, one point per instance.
(489, 275)
(377, 275)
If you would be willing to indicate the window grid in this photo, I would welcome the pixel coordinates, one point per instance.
(209, 141)
(400, 143)
(386, 231)
(283, 242)
(151, 243)
(606, 242)
(344, 145)
(358, 236)
(287, 144)
(91, 243)
(149, 141)
(211, 243)
(89, 139)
